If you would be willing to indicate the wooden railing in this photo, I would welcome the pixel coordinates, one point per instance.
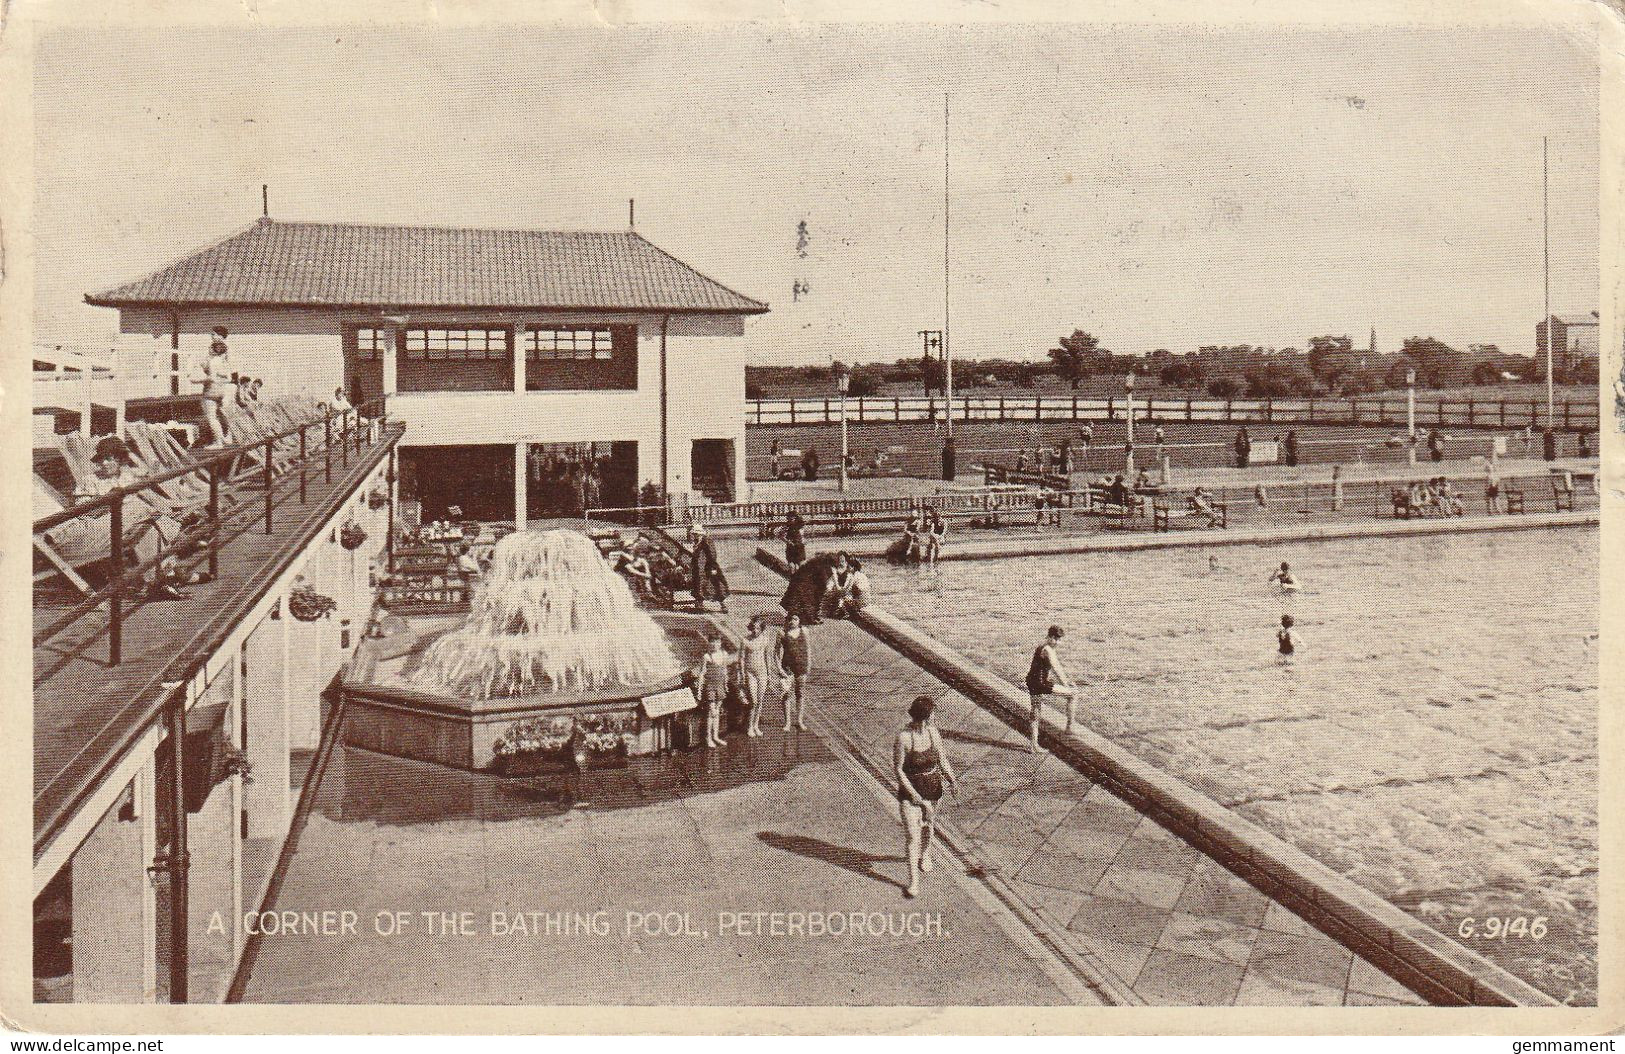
(1465, 411)
(340, 435)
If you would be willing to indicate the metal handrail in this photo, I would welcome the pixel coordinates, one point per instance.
(352, 420)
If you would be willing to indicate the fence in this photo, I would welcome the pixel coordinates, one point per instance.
(339, 433)
(1349, 497)
(1459, 411)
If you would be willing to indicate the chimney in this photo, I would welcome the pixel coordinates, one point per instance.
(632, 214)
(265, 204)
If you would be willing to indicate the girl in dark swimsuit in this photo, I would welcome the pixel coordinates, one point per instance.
(921, 766)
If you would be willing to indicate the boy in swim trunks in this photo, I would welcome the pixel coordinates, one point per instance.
(1047, 677)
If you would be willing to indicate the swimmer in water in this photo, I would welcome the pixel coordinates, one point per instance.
(1284, 578)
(1288, 642)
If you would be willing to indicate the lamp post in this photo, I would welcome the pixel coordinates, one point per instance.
(1410, 411)
(843, 381)
(1128, 450)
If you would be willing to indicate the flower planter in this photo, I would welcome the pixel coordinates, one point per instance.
(532, 763)
(587, 758)
(351, 535)
(307, 605)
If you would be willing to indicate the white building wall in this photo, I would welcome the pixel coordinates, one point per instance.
(303, 351)
(292, 351)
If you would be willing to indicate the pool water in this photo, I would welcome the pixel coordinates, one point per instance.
(1434, 739)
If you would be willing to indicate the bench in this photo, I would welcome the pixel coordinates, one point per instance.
(1514, 498)
(1159, 516)
(1401, 500)
(1562, 496)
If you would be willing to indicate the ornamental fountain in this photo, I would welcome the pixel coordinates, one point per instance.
(553, 652)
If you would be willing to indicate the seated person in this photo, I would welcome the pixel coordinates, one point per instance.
(1142, 481)
(1201, 504)
(467, 564)
(856, 594)
(1416, 499)
(1118, 492)
(632, 564)
(1449, 500)
(169, 580)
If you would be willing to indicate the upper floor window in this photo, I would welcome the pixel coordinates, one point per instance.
(572, 343)
(456, 344)
(370, 343)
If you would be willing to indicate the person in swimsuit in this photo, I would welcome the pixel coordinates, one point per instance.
(1284, 578)
(921, 766)
(936, 534)
(758, 646)
(913, 547)
(1288, 642)
(1047, 677)
(795, 540)
(713, 682)
(794, 657)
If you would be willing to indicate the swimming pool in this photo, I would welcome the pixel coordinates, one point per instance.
(1434, 739)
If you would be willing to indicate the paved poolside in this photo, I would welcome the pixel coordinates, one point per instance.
(779, 824)
(1166, 923)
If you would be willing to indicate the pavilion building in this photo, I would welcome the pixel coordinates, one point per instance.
(508, 354)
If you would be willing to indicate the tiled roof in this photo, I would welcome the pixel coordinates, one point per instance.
(1577, 320)
(333, 264)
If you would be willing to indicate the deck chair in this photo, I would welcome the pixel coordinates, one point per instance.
(247, 432)
(77, 451)
(145, 445)
(70, 547)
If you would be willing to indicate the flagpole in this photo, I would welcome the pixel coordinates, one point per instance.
(1546, 253)
(949, 469)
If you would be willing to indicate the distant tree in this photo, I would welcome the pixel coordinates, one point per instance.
(1223, 388)
(933, 376)
(864, 383)
(1074, 356)
(1184, 373)
(1331, 359)
(1438, 365)
(1486, 373)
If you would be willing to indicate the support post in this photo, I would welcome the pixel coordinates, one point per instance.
(179, 862)
(115, 600)
(521, 484)
(214, 519)
(265, 478)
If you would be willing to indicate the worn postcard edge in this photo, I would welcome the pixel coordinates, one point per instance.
(23, 21)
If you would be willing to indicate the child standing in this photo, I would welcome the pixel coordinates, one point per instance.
(713, 681)
(757, 663)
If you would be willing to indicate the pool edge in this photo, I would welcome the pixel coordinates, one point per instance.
(1438, 968)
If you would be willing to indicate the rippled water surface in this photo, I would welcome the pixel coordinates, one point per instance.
(1435, 740)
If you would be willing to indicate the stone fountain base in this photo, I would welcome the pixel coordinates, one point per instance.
(384, 713)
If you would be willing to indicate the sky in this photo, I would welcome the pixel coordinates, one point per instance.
(1158, 187)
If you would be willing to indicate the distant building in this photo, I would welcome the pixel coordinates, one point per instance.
(517, 359)
(1574, 342)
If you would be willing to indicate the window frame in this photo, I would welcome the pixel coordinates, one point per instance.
(465, 343)
(598, 345)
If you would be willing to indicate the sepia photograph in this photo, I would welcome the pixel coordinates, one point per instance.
(793, 514)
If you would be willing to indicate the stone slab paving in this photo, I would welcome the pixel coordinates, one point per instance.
(780, 824)
(1171, 924)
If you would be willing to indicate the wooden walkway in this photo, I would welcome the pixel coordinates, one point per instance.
(88, 713)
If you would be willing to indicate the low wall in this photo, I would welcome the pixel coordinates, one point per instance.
(1419, 956)
(995, 547)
